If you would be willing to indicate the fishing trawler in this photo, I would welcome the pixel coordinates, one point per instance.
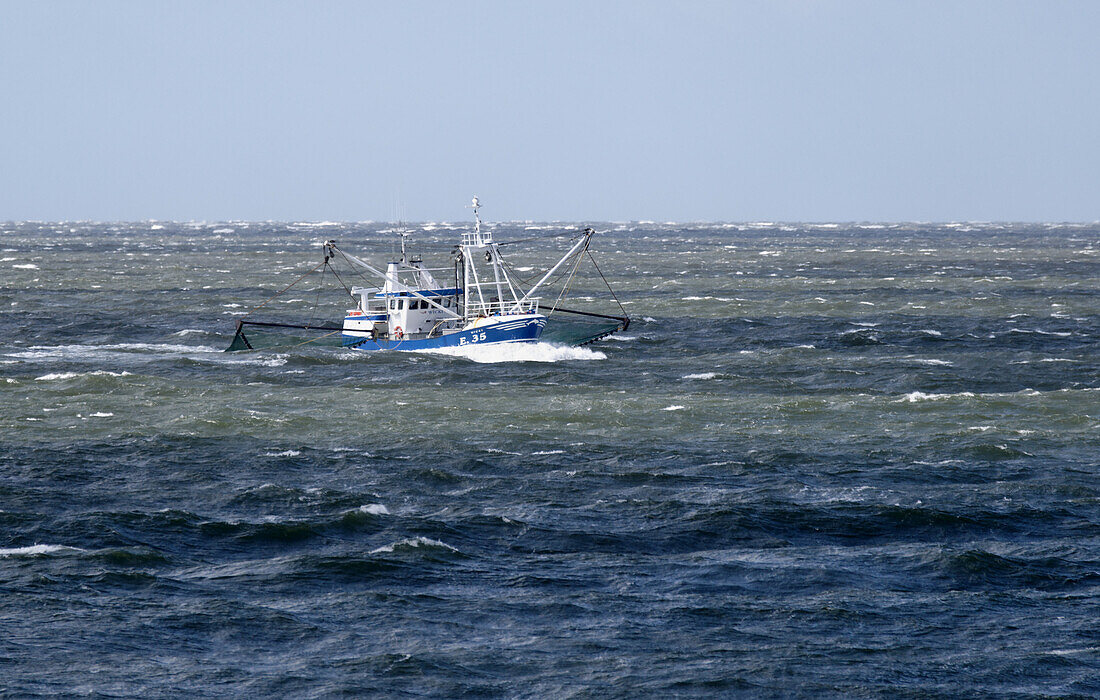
(478, 303)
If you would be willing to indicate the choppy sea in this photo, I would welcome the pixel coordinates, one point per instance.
(840, 460)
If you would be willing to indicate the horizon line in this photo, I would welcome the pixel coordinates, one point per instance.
(647, 222)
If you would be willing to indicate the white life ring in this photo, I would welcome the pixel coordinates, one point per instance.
(398, 333)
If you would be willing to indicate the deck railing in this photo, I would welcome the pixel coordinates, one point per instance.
(495, 308)
(474, 238)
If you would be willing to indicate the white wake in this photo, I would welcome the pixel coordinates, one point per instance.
(518, 352)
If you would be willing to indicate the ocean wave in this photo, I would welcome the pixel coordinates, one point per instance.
(71, 375)
(979, 567)
(414, 543)
(36, 550)
(374, 509)
(273, 361)
(77, 351)
(1036, 331)
(915, 396)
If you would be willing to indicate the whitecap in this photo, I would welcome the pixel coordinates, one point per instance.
(914, 396)
(37, 550)
(100, 415)
(1070, 652)
(284, 453)
(548, 452)
(673, 408)
(70, 375)
(57, 375)
(26, 266)
(277, 361)
(1060, 334)
(413, 542)
(374, 509)
(701, 375)
(49, 352)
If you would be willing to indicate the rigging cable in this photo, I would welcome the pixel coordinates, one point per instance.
(539, 238)
(353, 267)
(341, 281)
(528, 280)
(311, 271)
(607, 284)
(317, 299)
(576, 266)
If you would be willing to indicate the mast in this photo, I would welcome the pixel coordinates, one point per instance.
(470, 242)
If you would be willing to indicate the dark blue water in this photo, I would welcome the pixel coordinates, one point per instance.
(823, 460)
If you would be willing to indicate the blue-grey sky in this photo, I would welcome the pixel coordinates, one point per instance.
(594, 110)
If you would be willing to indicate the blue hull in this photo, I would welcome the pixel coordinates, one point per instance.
(525, 330)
